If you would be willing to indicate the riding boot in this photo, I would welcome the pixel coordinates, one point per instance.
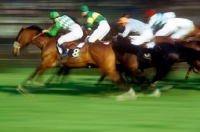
(64, 54)
(64, 50)
(86, 39)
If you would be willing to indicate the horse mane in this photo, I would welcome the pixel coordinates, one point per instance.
(33, 27)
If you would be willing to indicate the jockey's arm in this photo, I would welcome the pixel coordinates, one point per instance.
(51, 27)
(126, 32)
(55, 29)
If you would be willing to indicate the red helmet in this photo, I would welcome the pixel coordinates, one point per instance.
(150, 13)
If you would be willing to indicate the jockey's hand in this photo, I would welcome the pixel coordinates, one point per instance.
(89, 30)
(44, 31)
(119, 34)
(115, 38)
(83, 27)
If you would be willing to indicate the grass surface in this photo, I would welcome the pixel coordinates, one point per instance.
(77, 105)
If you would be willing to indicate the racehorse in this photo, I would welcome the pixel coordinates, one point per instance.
(96, 53)
(192, 41)
(166, 53)
(194, 62)
(161, 57)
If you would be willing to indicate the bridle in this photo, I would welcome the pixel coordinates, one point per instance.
(18, 45)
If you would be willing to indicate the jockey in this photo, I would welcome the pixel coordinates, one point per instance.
(176, 28)
(66, 23)
(136, 26)
(95, 18)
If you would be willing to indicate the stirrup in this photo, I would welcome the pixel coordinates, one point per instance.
(147, 55)
(64, 55)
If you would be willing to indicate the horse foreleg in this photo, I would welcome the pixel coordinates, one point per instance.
(30, 78)
(188, 72)
(100, 80)
(195, 66)
(160, 73)
(116, 77)
(38, 71)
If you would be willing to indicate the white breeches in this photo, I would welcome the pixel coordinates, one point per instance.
(75, 34)
(146, 36)
(175, 31)
(100, 32)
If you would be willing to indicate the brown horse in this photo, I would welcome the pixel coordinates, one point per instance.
(133, 61)
(194, 63)
(96, 53)
(191, 41)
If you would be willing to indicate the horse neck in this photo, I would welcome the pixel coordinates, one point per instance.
(40, 41)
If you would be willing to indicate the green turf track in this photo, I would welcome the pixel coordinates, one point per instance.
(78, 106)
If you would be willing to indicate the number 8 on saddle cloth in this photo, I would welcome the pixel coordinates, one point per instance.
(74, 53)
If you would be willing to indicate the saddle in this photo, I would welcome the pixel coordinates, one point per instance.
(73, 48)
(71, 45)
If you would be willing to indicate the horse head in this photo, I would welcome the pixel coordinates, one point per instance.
(24, 38)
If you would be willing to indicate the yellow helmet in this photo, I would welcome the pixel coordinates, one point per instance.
(123, 20)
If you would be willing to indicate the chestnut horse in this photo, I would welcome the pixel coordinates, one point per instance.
(96, 53)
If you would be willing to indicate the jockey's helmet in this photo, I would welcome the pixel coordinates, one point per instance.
(84, 8)
(123, 20)
(150, 13)
(54, 15)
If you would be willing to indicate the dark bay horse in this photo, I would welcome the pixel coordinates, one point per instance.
(161, 57)
(166, 53)
(133, 60)
(193, 61)
(192, 41)
(97, 54)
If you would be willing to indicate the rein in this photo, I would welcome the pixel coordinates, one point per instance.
(36, 36)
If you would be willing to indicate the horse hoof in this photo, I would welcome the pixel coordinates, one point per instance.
(38, 83)
(23, 91)
(152, 85)
(186, 78)
(156, 93)
(29, 82)
(167, 87)
(130, 95)
(96, 84)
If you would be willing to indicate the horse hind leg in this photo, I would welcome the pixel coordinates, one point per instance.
(100, 80)
(195, 66)
(61, 72)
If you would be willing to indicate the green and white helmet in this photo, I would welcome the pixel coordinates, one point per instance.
(84, 8)
(54, 15)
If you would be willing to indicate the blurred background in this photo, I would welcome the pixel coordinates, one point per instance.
(15, 14)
